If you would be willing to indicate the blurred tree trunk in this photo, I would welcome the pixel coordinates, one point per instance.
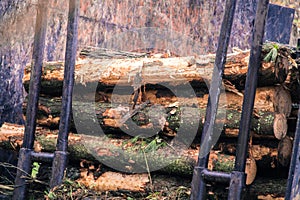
(243, 23)
(11, 89)
(14, 54)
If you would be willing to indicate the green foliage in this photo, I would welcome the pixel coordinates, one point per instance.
(272, 48)
(147, 145)
(135, 139)
(50, 195)
(155, 144)
(154, 196)
(35, 169)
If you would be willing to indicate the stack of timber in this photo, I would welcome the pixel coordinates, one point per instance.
(110, 83)
(113, 87)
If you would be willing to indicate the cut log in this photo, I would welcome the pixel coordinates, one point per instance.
(162, 96)
(264, 188)
(109, 118)
(173, 113)
(285, 151)
(280, 126)
(225, 163)
(175, 70)
(282, 101)
(93, 148)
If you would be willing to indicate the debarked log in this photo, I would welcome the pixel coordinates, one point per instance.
(174, 70)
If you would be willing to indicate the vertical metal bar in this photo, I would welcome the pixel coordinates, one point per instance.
(36, 72)
(236, 185)
(24, 163)
(251, 83)
(60, 158)
(23, 171)
(198, 183)
(293, 184)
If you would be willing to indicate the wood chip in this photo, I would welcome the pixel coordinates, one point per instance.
(113, 181)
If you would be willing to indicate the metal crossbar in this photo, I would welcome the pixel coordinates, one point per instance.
(26, 154)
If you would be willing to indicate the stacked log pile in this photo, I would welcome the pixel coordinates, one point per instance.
(113, 87)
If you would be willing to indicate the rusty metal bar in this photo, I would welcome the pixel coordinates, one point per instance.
(24, 163)
(198, 183)
(60, 158)
(237, 184)
(293, 184)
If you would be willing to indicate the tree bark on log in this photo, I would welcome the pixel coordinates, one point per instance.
(12, 135)
(109, 118)
(265, 157)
